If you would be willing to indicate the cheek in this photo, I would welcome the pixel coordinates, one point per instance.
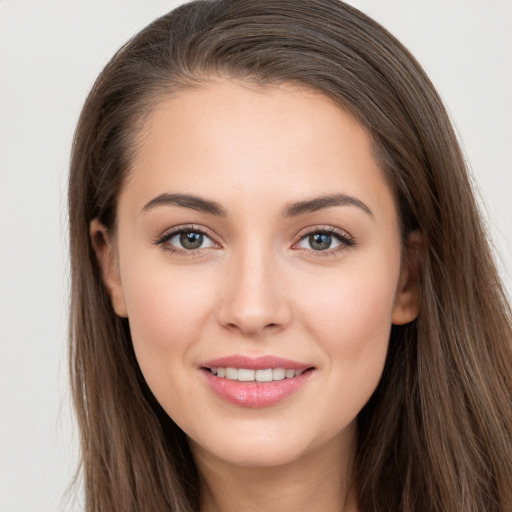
(352, 323)
(166, 312)
(354, 309)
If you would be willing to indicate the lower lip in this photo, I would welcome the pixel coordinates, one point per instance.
(255, 394)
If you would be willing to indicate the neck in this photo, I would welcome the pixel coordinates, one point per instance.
(319, 481)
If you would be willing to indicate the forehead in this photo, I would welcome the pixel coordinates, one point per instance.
(230, 137)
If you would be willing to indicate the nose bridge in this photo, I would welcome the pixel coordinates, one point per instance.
(253, 299)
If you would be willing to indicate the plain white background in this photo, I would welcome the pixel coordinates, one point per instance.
(50, 54)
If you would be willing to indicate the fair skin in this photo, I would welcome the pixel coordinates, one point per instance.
(260, 267)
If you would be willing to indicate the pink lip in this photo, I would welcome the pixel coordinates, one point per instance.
(255, 394)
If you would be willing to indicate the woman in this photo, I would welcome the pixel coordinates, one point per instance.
(282, 293)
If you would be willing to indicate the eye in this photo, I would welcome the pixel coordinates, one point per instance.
(325, 240)
(319, 242)
(190, 240)
(186, 240)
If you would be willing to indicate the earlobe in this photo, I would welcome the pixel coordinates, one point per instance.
(407, 299)
(107, 261)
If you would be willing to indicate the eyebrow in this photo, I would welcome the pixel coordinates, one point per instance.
(327, 201)
(292, 210)
(185, 201)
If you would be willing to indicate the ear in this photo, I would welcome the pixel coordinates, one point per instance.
(106, 256)
(407, 299)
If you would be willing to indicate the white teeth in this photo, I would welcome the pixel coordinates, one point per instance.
(278, 374)
(245, 375)
(264, 375)
(248, 375)
(231, 373)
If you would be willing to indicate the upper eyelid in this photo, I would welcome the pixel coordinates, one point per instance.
(171, 232)
(324, 229)
(187, 227)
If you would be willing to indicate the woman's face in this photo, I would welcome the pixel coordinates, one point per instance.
(257, 257)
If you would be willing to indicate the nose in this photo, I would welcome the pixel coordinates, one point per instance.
(254, 300)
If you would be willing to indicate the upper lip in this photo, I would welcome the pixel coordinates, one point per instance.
(262, 362)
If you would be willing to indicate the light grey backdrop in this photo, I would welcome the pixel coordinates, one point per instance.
(50, 53)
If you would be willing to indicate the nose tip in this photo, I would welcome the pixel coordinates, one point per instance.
(253, 301)
(252, 322)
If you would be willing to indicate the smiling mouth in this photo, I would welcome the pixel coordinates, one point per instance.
(267, 381)
(250, 375)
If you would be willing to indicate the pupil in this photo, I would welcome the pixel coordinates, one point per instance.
(320, 241)
(191, 240)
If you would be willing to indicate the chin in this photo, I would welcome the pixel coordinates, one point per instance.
(274, 446)
(256, 455)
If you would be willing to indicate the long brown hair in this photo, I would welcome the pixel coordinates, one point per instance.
(437, 433)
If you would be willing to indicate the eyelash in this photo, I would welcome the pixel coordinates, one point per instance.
(162, 240)
(345, 240)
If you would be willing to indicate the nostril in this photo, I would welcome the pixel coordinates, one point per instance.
(253, 318)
